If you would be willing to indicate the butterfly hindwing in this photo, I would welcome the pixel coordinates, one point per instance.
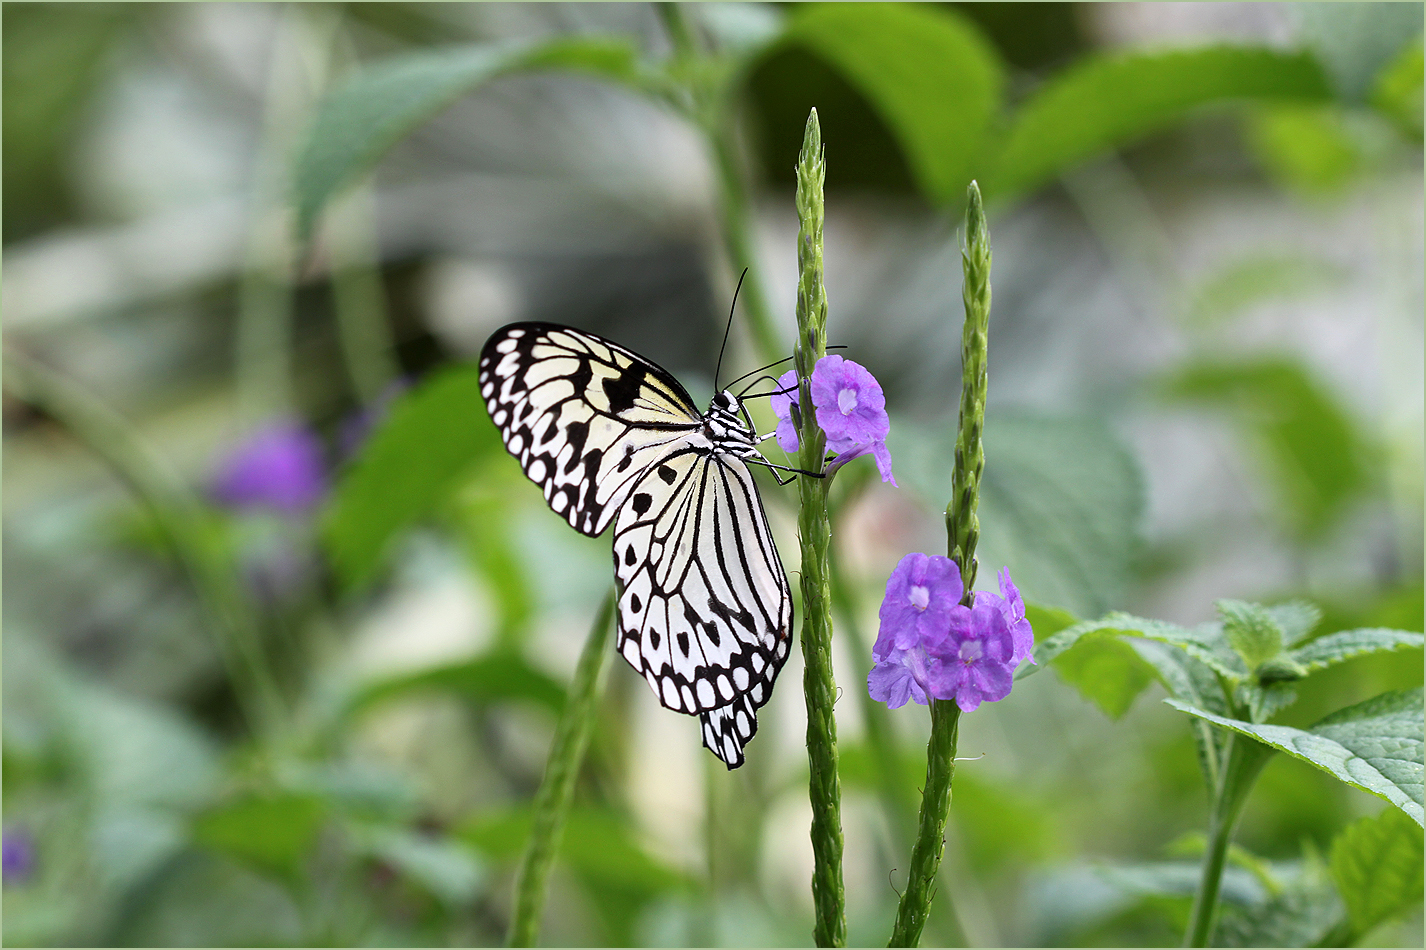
(705, 612)
(584, 416)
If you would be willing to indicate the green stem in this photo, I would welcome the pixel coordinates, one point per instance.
(359, 299)
(1243, 759)
(181, 518)
(552, 801)
(818, 683)
(704, 96)
(962, 533)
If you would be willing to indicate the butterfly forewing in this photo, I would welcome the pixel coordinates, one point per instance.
(705, 611)
(584, 416)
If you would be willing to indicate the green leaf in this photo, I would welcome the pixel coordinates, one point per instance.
(1308, 149)
(1355, 41)
(1376, 864)
(929, 74)
(1246, 281)
(494, 677)
(1106, 670)
(598, 846)
(430, 439)
(1251, 630)
(1375, 746)
(1297, 618)
(1109, 101)
(273, 832)
(1298, 917)
(360, 121)
(1398, 91)
(448, 869)
(1336, 647)
(1315, 456)
(1060, 503)
(1045, 622)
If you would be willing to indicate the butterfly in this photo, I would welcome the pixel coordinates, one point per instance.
(704, 607)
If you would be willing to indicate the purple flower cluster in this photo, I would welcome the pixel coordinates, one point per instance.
(19, 855)
(931, 645)
(851, 410)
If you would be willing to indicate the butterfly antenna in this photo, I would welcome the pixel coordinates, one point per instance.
(728, 330)
(771, 365)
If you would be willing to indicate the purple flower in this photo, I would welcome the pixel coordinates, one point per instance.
(930, 645)
(280, 466)
(921, 593)
(1013, 607)
(851, 410)
(17, 856)
(976, 664)
(782, 404)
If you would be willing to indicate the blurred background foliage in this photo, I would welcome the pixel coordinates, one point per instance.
(286, 633)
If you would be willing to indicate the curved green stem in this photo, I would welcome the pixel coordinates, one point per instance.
(179, 515)
(552, 801)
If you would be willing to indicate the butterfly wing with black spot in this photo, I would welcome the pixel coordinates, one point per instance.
(584, 416)
(705, 611)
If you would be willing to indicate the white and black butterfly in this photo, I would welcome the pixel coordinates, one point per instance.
(705, 611)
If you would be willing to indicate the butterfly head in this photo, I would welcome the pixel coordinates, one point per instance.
(724, 422)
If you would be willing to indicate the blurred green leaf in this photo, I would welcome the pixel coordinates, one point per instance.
(1298, 917)
(446, 868)
(1316, 457)
(1336, 647)
(597, 845)
(359, 122)
(1398, 91)
(1375, 746)
(1354, 41)
(1045, 622)
(1376, 864)
(1108, 101)
(1251, 630)
(484, 522)
(429, 440)
(272, 831)
(998, 822)
(495, 677)
(1246, 281)
(1060, 503)
(1105, 670)
(929, 73)
(1308, 149)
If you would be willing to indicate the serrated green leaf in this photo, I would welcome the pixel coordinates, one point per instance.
(1105, 670)
(431, 438)
(1109, 101)
(1266, 701)
(1297, 618)
(384, 102)
(1314, 455)
(1376, 864)
(1045, 622)
(1298, 917)
(1061, 503)
(927, 71)
(274, 832)
(1375, 746)
(1251, 631)
(494, 677)
(1336, 647)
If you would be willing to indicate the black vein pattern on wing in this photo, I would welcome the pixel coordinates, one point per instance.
(584, 416)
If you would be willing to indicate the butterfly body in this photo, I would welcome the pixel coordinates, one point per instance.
(705, 610)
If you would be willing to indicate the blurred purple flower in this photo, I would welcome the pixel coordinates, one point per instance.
(931, 645)
(17, 856)
(851, 410)
(280, 466)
